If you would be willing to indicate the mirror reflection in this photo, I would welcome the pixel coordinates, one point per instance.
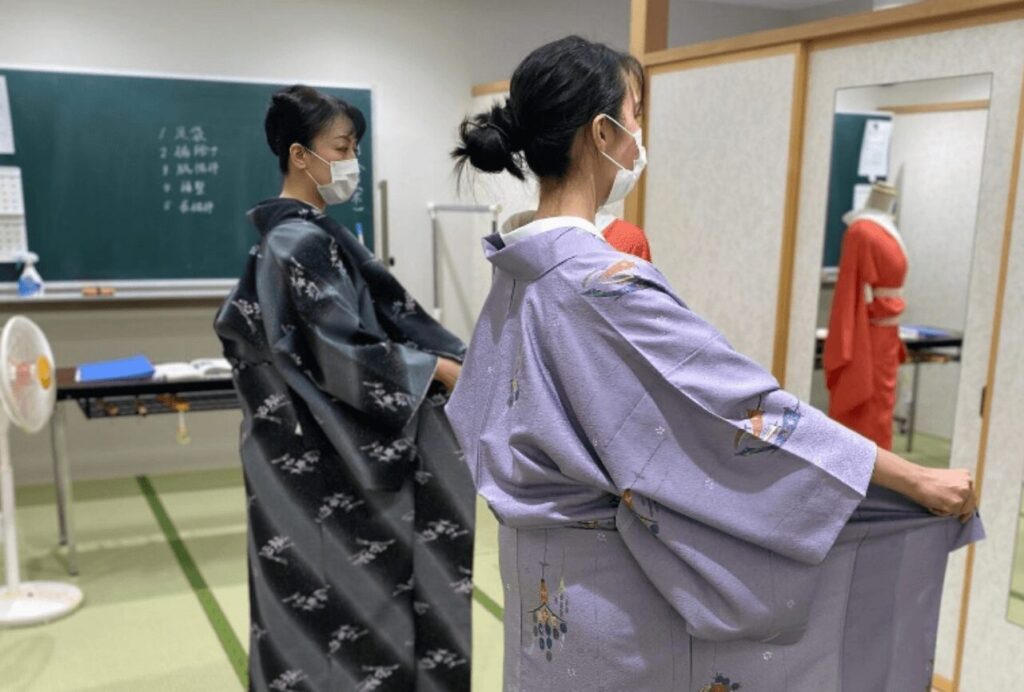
(899, 237)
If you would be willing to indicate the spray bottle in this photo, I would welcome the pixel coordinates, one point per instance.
(30, 283)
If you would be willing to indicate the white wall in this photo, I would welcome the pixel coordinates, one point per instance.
(947, 90)
(696, 22)
(420, 58)
(494, 35)
(465, 274)
(940, 159)
(693, 21)
(832, 9)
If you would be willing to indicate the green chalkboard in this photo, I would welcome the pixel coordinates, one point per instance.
(149, 178)
(847, 137)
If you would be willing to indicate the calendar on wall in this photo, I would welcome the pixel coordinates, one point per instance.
(13, 238)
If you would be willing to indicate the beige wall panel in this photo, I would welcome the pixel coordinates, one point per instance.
(716, 189)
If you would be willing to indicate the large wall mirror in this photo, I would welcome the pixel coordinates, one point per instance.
(904, 182)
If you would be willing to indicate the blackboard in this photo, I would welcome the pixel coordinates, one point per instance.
(149, 178)
(847, 137)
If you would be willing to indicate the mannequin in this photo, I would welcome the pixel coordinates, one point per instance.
(863, 350)
(882, 198)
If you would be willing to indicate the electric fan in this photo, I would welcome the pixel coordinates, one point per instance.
(28, 392)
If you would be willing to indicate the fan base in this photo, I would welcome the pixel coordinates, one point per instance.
(36, 602)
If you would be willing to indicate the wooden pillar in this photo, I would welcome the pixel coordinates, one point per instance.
(648, 32)
(648, 26)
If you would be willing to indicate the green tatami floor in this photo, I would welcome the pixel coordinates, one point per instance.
(162, 566)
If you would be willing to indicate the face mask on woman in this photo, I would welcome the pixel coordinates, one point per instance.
(344, 179)
(625, 178)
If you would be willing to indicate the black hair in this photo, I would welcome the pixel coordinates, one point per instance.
(556, 90)
(299, 113)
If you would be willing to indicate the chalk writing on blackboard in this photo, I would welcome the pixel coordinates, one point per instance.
(193, 160)
(357, 197)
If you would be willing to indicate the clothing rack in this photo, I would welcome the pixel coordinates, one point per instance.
(433, 210)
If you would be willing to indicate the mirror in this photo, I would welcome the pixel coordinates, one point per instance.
(1015, 610)
(904, 182)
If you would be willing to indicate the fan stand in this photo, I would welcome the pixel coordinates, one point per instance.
(25, 603)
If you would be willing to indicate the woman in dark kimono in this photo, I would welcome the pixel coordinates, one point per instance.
(360, 508)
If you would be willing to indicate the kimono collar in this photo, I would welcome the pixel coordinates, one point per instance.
(530, 257)
(884, 221)
(539, 226)
(269, 213)
(522, 223)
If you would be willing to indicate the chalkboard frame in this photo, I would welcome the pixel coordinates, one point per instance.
(173, 288)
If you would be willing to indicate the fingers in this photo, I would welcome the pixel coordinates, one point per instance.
(970, 504)
(951, 494)
(968, 512)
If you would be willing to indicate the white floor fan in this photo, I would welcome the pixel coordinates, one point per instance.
(28, 392)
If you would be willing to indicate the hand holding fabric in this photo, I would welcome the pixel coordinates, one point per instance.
(447, 372)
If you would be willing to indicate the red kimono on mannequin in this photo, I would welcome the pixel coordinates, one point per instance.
(863, 350)
(628, 238)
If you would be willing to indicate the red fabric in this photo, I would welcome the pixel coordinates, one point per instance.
(861, 360)
(625, 237)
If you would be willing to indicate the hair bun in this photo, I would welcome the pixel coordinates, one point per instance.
(491, 142)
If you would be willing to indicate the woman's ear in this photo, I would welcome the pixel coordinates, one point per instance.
(297, 156)
(598, 134)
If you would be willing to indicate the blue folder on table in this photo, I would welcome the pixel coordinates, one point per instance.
(924, 332)
(134, 368)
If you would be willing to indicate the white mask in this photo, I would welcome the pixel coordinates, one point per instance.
(625, 178)
(344, 180)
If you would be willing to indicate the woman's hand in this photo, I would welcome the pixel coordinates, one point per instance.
(945, 492)
(447, 372)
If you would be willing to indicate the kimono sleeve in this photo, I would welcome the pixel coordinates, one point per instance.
(400, 314)
(315, 331)
(732, 489)
(847, 358)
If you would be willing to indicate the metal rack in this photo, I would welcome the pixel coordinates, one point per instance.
(433, 210)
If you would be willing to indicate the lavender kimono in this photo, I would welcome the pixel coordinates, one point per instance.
(670, 518)
(360, 507)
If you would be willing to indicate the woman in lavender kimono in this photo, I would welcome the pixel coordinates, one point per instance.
(360, 507)
(670, 519)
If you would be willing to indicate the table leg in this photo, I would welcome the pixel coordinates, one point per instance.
(62, 481)
(912, 409)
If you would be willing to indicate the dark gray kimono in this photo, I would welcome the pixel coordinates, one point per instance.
(360, 507)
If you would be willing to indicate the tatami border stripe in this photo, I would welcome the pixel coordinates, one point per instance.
(489, 604)
(221, 627)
